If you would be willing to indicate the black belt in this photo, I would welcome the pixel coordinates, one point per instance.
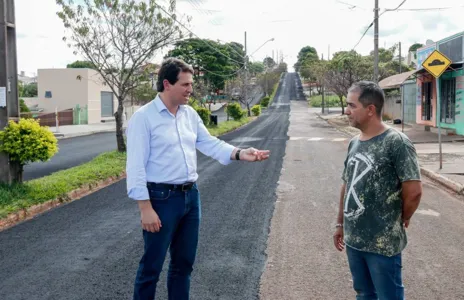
(173, 187)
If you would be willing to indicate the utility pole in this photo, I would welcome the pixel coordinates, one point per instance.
(400, 59)
(246, 73)
(376, 41)
(9, 104)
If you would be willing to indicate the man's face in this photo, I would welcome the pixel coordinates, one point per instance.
(358, 115)
(180, 91)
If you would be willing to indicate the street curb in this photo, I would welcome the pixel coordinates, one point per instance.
(434, 176)
(27, 214)
(444, 181)
(62, 136)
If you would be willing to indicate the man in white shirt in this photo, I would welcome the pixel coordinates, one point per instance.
(162, 139)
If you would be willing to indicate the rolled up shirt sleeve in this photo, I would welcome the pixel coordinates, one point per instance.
(212, 146)
(138, 151)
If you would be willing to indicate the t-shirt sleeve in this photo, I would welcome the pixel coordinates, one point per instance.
(345, 170)
(405, 161)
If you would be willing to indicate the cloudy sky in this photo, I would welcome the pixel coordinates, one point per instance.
(293, 23)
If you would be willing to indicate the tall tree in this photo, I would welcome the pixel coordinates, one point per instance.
(415, 46)
(306, 55)
(346, 68)
(211, 60)
(118, 37)
(269, 62)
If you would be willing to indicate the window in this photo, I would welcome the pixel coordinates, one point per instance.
(452, 49)
(106, 104)
(48, 94)
(427, 101)
(448, 100)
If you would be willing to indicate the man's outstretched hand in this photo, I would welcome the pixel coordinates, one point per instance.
(252, 154)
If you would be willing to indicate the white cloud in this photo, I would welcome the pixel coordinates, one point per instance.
(293, 23)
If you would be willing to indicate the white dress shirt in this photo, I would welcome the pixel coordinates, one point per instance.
(161, 147)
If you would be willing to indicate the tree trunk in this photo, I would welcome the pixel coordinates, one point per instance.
(119, 127)
(248, 108)
(17, 171)
(341, 103)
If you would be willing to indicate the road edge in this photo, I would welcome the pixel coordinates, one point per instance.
(434, 176)
(15, 218)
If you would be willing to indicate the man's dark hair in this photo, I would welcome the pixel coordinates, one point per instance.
(370, 93)
(170, 69)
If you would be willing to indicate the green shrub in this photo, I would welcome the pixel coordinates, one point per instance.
(23, 107)
(27, 141)
(256, 110)
(204, 114)
(329, 101)
(235, 111)
(194, 103)
(265, 101)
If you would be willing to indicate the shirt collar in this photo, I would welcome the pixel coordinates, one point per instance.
(159, 104)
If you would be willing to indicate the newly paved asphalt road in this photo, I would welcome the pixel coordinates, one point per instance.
(72, 152)
(90, 248)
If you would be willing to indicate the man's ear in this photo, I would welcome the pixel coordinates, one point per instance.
(372, 111)
(166, 84)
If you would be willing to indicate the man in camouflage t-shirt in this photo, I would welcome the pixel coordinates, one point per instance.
(381, 192)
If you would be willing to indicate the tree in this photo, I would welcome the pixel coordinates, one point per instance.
(267, 81)
(256, 68)
(118, 37)
(415, 46)
(23, 107)
(29, 90)
(144, 93)
(241, 89)
(346, 68)
(282, 68)
(212, 61)
(269, 62)
(26, 142)
(319, 73)
(78, 64)
(306, 56)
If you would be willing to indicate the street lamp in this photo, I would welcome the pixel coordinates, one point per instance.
(269, 40)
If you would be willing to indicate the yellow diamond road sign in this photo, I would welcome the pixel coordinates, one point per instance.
(436, 63)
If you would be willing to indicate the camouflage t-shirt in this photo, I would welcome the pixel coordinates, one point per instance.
(374, 171)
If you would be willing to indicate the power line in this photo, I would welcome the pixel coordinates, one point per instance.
(222, 75)
(372, 23)
(352, 6)
(430, 9)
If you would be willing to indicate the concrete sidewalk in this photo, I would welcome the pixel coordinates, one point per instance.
(426, 143)
(70, 131)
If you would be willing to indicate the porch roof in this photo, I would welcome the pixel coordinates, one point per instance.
(395, 81)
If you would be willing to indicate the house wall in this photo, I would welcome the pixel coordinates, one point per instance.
(458, 125)
(409, 95)
(96, 85)
(392, 107)
(66, 89)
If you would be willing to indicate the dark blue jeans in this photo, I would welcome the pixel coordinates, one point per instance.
(180, 214)
(375, 276)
